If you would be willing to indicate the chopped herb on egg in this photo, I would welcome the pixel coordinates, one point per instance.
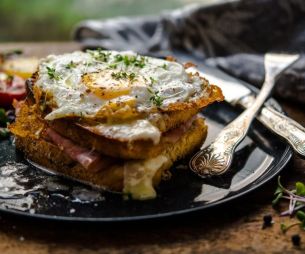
(132, 76)
(88, 64)
(137, 61)
(99, 55)
(119, 75)
(71, 65)
(164, 66)
(113, 66)
(152, 80)
(118, 58)
(52, 73)
(123, 75)
(155, 98)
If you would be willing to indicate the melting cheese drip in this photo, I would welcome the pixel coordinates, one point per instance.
(138, 177)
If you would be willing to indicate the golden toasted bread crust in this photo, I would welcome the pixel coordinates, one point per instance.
(49, 155)
(30, 117)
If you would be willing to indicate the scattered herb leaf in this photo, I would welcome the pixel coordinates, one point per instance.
(132, 76)
(152, 80)
(71, 65)
(300, 215)
(300, 189)
(53, 74)
(155, 98)
(283, 228)
(137, 61)
(99, 55)
(296, 198)
(113, 66)
(164, 66)
(276, 200)
(123, 75)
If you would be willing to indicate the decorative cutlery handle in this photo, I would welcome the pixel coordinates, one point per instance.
(223, 147)
(285, 127)
(216, 158)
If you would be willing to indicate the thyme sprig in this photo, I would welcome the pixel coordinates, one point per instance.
(53, 74)
(71, 65)
(155, 98)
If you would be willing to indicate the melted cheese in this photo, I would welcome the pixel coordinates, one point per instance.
(138, 177)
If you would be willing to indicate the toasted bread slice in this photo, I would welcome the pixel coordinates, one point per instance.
(49, 155)
(30, 123)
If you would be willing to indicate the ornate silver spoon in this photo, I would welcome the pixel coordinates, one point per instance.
(216, 158)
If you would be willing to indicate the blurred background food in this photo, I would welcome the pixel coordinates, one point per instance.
(53, 20)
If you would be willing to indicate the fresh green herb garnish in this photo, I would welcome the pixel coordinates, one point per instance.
(138, 61)
(71, 65)
(132, 76)
(296, 199)
(119, 75)
(113, 66)
(152, 81)
(99, 55)
(164, 66)
(53, 74)
(285, 227)
(155, 98)
(118, 58)
(123, 75)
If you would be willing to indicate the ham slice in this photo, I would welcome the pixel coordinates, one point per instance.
(172, 136)
(90, 160)
(95, 162)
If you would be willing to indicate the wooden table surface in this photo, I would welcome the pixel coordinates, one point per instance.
(233, 228)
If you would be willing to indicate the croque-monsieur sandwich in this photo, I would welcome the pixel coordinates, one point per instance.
(113, 119)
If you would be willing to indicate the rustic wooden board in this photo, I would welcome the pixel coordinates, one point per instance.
(235, 228)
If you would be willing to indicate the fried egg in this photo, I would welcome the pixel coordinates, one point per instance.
(82, 84)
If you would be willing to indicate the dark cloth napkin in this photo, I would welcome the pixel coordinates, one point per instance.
(232, 35)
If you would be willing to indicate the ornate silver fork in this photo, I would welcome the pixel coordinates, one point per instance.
(216, 158)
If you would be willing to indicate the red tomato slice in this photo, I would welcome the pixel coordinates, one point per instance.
(11, 87)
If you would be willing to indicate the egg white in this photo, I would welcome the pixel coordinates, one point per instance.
(164, 79)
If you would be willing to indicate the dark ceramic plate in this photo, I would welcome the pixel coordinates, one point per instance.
(27, 191)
